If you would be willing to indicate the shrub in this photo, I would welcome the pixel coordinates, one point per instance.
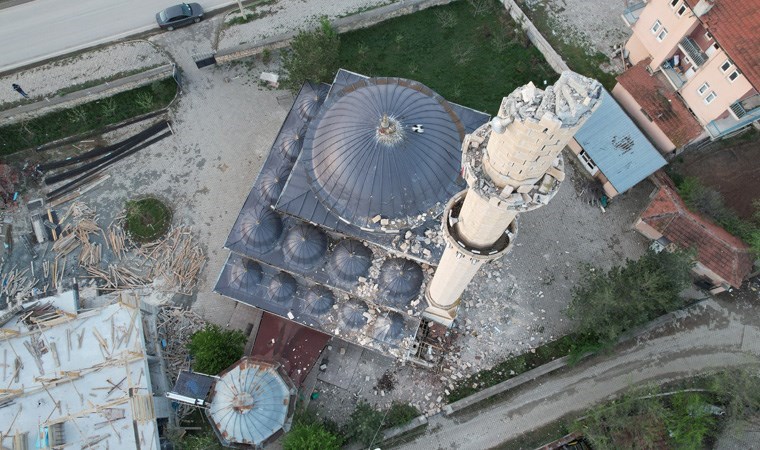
(310, 435)
(365, 424)
(400, 414)
(214, 349)
(313, 56)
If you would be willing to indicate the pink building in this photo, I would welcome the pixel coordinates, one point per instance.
(696, 69)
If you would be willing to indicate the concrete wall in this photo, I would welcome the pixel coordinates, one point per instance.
(629, 104)
(551, 56)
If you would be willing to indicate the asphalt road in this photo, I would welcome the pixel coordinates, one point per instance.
(42, 29)
(721, 335)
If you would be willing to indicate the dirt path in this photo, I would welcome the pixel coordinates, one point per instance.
(714, 336)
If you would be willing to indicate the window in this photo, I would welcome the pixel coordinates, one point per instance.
(702, 89)
(734, 75)
(708, 36)
(710, 97)
(587, 161)
(661, 36)
(673, 3)
(725, 66)
(656, 27)
(681, 10)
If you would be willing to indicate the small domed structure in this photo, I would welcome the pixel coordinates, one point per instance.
(272, 182)
(304, 245)
(309, 105)
(246, 275)
(352, 314)
(318, 301)
(281, 288)
(388, 327)
(251, 404)
(291, 142)
(401, 280)
(350, 260)
(260, 229)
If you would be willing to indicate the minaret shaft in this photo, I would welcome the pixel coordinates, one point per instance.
(512, 164)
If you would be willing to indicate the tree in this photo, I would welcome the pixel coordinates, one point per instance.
(214, 349)
(313, 56)
(607, 304)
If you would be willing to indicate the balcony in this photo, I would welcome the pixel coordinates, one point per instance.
(676, 78)
(692, 50)
(743, 113)
(631, 14)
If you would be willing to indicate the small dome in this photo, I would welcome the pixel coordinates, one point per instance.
(388, 328)
(352, 314)
(304, 245)
(272, 182)
(281, 288)
(245, 275)
(318, 301)
(260, 229)
(401, 280)
(308, 105)
(350, 260)
(291, 142)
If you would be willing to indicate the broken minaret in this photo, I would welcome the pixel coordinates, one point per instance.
(512, 164)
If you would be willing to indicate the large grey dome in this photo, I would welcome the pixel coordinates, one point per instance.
(281, 288)
(352, 314)
(385, 147)
(401, 280)
(304, 245)
(350, 260)
(388, 328)
(318, 301)
(260, 228)
(246, 275)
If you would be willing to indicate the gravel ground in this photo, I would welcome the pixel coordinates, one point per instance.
(288, 15)
(44, 81)
(594, 24)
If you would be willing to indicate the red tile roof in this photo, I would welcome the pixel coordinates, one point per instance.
(735, 24)
(719, 251)
(658, 99)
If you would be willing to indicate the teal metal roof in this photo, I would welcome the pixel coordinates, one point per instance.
(617, 146)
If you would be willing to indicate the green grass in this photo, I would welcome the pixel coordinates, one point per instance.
(471, 60)
(570, 345)
(147, 219)
(575, 55)
(85, 118)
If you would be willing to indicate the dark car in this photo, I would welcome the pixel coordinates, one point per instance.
(179, 15)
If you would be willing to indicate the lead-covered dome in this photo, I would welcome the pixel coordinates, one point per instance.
(384, 148)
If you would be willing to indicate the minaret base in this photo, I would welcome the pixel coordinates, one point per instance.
(441, 315)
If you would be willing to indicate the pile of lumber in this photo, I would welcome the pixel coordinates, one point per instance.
(116, 240)
(117, 278)
(16, 286)
(175, 327)
(77, 234)
(176, 259)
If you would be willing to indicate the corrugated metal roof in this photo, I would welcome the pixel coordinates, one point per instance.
(251, 403)
(617, 146)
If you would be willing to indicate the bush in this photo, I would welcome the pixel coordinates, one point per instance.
(313, 56)
(607, 304)
(147, 219)
(400, 414)
(214, 349)
(365, 424)
(308, 433)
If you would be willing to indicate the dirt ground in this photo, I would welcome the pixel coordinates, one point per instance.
(730, 167)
